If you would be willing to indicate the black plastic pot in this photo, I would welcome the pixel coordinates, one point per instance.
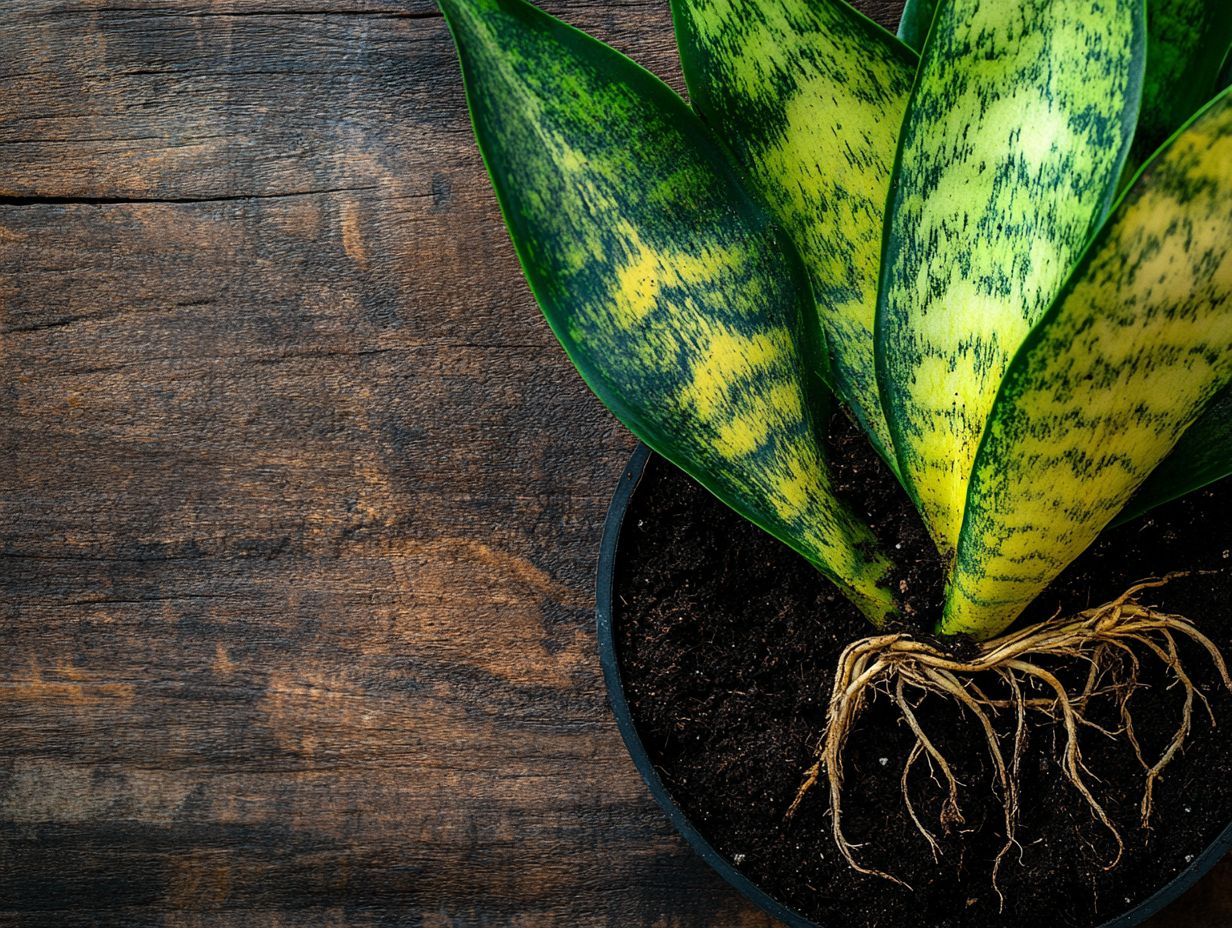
(608, 554)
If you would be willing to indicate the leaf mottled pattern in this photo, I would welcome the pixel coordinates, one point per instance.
(809, 96)
(1019, 122)
(676, 296)
(1135, 348)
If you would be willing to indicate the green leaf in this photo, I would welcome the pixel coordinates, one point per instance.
(1019, 122)
(674, 294)
(1136, 345)
(809, 96)
(1202, 456)
(917, 17)
(1186, 44)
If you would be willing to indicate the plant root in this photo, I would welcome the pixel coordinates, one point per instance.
(1110, 638)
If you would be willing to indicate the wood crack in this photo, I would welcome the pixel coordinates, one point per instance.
(239, 14)
(43, 200)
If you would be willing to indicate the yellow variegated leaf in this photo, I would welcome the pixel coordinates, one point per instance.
(1019, 122)
(809, 95)
(1126, 359)
(1186, 42)
(674, 293)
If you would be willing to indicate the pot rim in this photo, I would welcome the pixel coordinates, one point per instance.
(604, 583)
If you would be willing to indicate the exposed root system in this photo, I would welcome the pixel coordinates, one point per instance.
(1112, 639)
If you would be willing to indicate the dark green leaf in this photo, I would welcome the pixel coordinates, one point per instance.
(1186, 44)
(917, 17)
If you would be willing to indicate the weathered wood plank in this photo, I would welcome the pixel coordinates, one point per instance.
(299, 502)
(186, 102)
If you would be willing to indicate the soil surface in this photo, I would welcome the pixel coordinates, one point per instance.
(728, 642)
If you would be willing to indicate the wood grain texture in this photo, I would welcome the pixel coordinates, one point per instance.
(299, 501)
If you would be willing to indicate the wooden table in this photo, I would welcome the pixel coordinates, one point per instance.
(299, 502)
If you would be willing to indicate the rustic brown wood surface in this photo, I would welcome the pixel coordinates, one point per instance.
(299, 502)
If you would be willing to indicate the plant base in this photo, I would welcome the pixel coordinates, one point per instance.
(723, 650)
(1111, 640)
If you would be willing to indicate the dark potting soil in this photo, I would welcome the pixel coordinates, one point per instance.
(727, 644)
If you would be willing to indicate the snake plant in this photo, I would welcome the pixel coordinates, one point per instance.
(1002, 244)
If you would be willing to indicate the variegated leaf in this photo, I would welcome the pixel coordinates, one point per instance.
(1186, 42)
(1019, 123)
(1202, 456)
(809, 95)
(675, 295)
(1137, 344)
(1204, 453)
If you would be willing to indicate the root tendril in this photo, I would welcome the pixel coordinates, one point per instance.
(1109, 638)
